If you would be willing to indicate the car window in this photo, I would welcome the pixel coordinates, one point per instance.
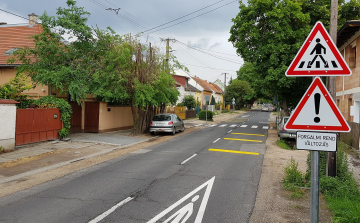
(162, 118)
(177, 117)
(285, 120)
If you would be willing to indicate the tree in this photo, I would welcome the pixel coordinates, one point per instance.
(189, 102)
(238, 89)
(269, 33)
(212, 100)
(113, 68)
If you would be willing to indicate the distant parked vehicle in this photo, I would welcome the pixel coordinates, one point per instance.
(265, 108)
(285, 134)
(166, 122)
(271, 108)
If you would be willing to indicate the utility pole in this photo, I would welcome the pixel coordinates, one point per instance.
(167, 56)
(331, 156)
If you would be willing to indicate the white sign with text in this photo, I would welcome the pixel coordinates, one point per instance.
(318, 141)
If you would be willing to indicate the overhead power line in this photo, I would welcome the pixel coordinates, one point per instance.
(145, 32)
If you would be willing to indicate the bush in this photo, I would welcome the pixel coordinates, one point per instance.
(202, 115)
(65, 110)
(189, 102)
(180, 105)
(293, 175)
(225, 111)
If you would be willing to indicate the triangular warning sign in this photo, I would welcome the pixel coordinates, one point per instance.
(317, 111)
(318, 56)
(183, 209)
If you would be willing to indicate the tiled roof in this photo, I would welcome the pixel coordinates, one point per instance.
(203, 84)
(191, 88)
(218, 89)
(12, 37)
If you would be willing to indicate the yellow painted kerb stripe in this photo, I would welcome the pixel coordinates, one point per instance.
(248, 134)
(232, 151)
(246, 140)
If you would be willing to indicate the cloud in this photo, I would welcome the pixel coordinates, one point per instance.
(201, 43)
(214, 45)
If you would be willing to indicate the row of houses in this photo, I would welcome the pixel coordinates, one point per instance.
(198, 88)
(92, 116)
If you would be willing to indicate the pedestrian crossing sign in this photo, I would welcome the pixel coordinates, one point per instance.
(318, 56)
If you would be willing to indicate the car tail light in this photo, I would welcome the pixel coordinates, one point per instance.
(151, 123)
(170, 123)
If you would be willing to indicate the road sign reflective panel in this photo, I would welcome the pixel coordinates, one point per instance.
(318, 56)
(317, 111)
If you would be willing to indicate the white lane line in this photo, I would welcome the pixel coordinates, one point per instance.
(216, 140)
(222, 125)
(188, 159)
(229, 131)
(243, 126)
(254, 126)
(106, 213)
(232, 126)
(265, 127)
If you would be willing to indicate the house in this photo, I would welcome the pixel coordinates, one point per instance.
(348, 88)
(183, 86)
(220, 84)
(92, 116)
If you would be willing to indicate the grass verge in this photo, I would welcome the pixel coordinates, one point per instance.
(285, 144)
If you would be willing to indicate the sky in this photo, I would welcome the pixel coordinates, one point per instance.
(207, 29)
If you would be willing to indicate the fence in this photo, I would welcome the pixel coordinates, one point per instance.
(351, 138)
(179, 111)
(191, 114)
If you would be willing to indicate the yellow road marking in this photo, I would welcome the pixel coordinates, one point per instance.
(248, 134)
(232, 151)
(247, 140)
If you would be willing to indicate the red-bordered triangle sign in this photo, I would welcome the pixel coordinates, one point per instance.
(317, 111)
(318, 56)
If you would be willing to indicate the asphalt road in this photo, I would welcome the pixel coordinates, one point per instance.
(210, 175)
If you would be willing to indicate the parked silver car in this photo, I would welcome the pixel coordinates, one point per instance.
(285, 134)
(166, 122)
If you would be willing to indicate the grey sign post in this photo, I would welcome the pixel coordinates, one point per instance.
(207, 98)
(233, 103)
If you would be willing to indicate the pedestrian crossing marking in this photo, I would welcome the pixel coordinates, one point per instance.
(265, 127)
(212, 125)
(254, 126)
(248, 134)
(232, 126)
(198, 125)
(243, 126)
(222, 125)
(232, 151)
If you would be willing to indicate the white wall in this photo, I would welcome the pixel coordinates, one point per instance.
(182, 91)
(7, 126)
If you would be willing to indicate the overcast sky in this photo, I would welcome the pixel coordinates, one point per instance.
(209, 31)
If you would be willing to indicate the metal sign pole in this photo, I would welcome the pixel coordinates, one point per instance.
(206, 112)
(314, 200)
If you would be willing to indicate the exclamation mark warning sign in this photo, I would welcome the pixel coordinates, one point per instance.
(317, 98)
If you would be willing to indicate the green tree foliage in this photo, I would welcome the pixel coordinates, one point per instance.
(14, 90)
(189, 102)
(238, 89)
(203, 113)
(269, 33)
(212, 102)
(113, 68)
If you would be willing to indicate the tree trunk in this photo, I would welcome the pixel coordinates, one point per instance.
(286, 109)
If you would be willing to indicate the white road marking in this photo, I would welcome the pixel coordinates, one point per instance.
(265, 127)
(216, 140)
(254, 126)
(243, 126)
(212, 125)
(223, 125)
(106, 213)
(232, 126)
(229, 131)
(198, 125)
(188, 159)
(183, 211)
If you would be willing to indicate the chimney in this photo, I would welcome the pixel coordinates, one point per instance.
(33, 19)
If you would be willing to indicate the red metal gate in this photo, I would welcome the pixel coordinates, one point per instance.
(37, 125)
(91, 116)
